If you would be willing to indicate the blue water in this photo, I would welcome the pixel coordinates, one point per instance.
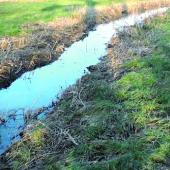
(38, 88)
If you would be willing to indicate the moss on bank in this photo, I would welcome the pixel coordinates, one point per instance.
(104, 124)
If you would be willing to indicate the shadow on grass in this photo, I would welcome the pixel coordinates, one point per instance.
(65, 8)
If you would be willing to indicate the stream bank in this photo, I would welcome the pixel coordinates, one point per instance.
(47, 42)
(115, 117)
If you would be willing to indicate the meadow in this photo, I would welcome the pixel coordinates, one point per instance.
(15, 14)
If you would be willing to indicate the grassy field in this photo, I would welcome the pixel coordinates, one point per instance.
(124, 124)
(13, 15)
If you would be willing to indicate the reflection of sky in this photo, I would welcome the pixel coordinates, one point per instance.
(9, 131)
(39, 88)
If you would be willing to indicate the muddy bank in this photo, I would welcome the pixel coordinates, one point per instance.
(47, 43)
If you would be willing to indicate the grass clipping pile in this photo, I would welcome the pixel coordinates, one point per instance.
(115, 117)
(46, 43)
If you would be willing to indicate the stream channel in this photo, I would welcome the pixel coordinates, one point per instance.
(39, 88)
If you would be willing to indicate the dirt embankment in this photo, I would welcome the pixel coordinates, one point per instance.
(46, 43)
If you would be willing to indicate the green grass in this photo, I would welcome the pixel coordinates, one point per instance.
(126, 125)
(13, 15)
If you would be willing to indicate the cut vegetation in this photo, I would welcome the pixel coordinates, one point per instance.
(115, 118)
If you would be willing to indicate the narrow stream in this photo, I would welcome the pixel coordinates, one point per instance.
(38, 88)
